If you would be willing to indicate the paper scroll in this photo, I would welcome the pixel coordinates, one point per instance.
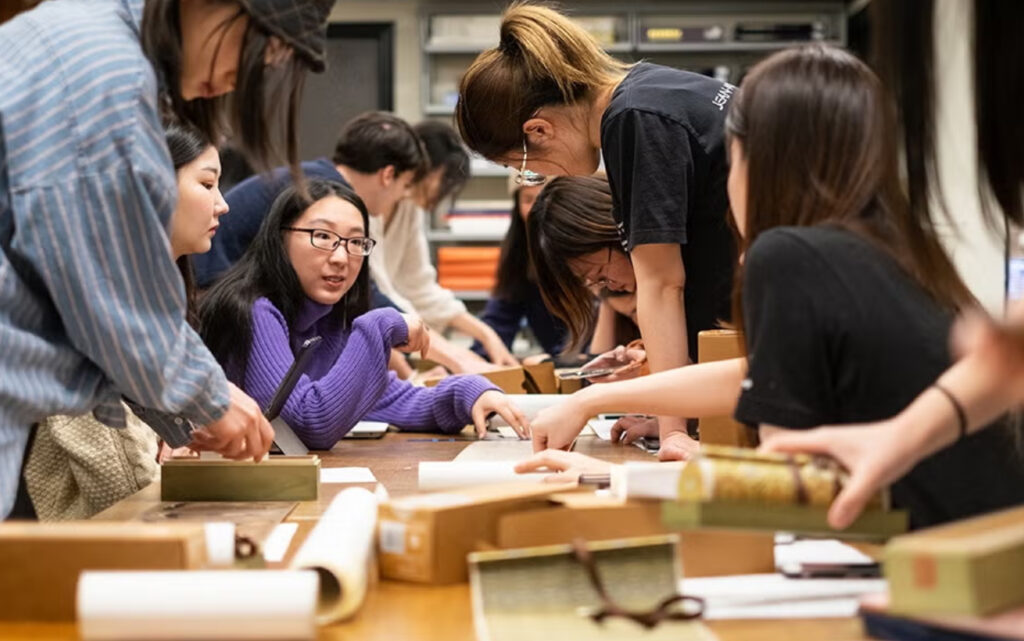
(183, 605)
(531, 404)
(436, 475)
(340, 550)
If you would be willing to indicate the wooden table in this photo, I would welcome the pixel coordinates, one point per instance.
(406, 612)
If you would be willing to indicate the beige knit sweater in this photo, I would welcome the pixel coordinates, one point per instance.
(79, 466)
(402, 269)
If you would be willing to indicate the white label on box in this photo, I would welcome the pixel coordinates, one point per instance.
(392, 537)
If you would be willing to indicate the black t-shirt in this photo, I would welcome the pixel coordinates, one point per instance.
(663, 142)
(838, 333)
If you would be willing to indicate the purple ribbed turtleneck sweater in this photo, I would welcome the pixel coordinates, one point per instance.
(347, 379)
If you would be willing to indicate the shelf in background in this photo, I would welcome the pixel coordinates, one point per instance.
(482, 167)
(476, 48)
(472, 295)
(447, 236)
(722, 47)
(439, 110)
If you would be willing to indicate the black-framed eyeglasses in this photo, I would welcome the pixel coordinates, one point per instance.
(527, 178)
(328, 241)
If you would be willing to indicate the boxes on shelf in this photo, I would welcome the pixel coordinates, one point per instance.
(467, 268)
(464, 30)
(476, 217)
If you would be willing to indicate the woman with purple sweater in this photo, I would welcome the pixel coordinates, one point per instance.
(303, 276)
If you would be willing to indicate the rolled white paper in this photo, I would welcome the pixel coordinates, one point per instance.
(530, 404)
(447, 475)
(196, 604)
(340, 549)
(636, 480)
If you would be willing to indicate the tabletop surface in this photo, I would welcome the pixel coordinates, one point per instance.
(405, 611)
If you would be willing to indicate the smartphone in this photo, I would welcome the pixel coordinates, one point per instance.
(831, 570)
(586, 373)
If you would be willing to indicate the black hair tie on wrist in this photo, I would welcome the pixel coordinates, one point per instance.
(961, 415)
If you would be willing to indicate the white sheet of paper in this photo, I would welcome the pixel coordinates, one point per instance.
(368, 427)
(347, 475)
(602, 427)
(502, 449)
(773, 596)
(275, 548)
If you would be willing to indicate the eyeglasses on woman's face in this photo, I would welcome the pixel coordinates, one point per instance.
(596, 277)
(328, 241)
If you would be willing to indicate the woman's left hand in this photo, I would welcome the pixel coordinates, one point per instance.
(495, 401)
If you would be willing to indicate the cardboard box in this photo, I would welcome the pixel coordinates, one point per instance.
(543, 376)
(41, 561)
(972, 567)
(276, 478)
(703, 552)
(719, 345)
(425, 538)
(528, 379)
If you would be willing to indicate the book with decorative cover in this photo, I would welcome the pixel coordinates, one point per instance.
(551, 592)
(735, 487)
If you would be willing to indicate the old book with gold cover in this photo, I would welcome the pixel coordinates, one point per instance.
(735, 487)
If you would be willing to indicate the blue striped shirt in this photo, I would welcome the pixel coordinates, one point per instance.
(91, 303)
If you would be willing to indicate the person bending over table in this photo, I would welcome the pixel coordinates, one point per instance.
(550, 101)
(845, 300)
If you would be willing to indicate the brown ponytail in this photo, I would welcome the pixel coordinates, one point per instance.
(543, 58)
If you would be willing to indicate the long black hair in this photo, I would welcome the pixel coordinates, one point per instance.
(265, 271)
(515, 271)
(187, 143)
(262, 111)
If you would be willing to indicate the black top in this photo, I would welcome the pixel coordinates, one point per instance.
(248, 204)
(663, 142)
(838, 333)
